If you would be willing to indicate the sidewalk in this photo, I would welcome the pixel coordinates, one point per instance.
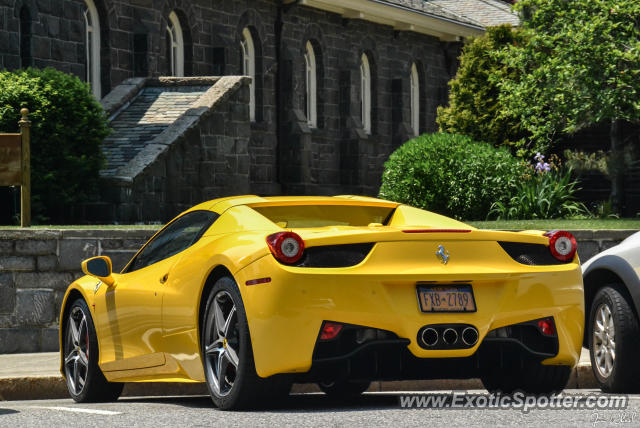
(37, 376)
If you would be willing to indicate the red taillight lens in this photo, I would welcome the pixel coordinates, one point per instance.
(547, 327)
(562, 245)
(287, 247)
(330, 330)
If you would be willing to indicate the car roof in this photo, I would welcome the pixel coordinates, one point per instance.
(222, 204)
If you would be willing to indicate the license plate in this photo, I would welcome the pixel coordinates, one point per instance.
(446, 298)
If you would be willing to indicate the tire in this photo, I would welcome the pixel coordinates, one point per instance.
(534, 379)
(614, 346)
(227, 351)
(344, 388)
(85, 381)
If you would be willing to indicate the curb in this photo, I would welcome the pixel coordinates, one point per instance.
(54, 387)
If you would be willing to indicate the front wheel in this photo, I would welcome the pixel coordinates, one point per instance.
(227, 355)
(85, 380)
(613, 333)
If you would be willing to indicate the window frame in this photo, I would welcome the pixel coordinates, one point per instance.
(415, 99)
(176, 45)
(129, 268)
(92, 48)
(311, 85)
(247, 46)
(365, 93)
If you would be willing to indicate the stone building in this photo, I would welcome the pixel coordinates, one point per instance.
(336, 86)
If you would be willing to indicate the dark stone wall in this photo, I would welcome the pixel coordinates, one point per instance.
(56, 30)
(284, 155)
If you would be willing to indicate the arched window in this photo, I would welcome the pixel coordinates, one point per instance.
(25, 37)
(311, 86)
(92, 47)
(415, 100)
(175, 46)
(249, 68)
(365, 93)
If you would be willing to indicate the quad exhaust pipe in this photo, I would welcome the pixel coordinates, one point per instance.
(470, 336)
(430, 336)
(448, 336)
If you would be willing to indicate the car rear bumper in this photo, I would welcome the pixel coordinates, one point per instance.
(285, 315)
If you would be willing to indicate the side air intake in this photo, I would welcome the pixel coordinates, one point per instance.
(334, 256)
(530, 254)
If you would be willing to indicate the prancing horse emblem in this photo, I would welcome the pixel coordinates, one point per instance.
(443, 254)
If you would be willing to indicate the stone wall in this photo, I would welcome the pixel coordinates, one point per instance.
(56, 35)
(37, 265)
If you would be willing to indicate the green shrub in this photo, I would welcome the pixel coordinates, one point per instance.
(451, 174)
(68, 126)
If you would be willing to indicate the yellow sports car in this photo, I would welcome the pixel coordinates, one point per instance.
(250, 294)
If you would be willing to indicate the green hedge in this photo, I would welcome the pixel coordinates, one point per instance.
(68, 126)
(452, 175)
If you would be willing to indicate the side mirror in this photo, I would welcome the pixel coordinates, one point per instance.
(101, 268)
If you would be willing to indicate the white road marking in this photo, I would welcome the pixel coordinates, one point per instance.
(78, 410)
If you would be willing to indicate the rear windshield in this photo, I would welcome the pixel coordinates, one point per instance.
(297, 216)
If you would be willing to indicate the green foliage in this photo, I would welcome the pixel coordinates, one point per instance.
(580, 66)
(582, 162)
(68, 126)
(474, 107)
(450, 174)
(603, 210)
(562, 224)
(544, 195)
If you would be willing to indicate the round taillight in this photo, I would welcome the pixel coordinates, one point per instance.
(562, 245)
(286, 247)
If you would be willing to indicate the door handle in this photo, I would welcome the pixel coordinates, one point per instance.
(164, 278)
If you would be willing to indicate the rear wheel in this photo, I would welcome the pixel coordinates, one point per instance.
(344, 388)
(613, 333)
(85, 380)
(227, 354)
(533, 378)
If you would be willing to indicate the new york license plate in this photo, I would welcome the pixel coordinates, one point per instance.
(446, 298)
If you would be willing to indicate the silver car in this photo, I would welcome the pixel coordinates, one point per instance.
(612, 302)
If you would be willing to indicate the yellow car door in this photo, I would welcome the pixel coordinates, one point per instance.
(129, 314)
(129, 318)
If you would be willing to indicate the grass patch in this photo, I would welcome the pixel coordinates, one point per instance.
(596, 224)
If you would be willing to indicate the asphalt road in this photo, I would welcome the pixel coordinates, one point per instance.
(308, 410)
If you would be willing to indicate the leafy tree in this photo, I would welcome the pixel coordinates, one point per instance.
(68, 126)
(580, 67)
(474, 107)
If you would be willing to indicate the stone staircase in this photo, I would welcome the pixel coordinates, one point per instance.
(152, 111)
(175, 143)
